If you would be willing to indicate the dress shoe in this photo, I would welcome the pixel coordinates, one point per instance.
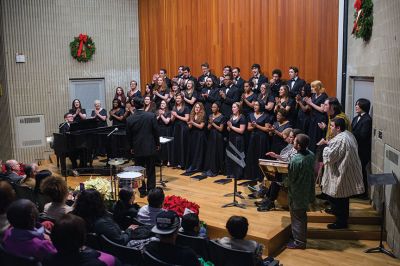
(293, 245)
(269, 205)
(337, 226)
(329, 211)
(261, 202)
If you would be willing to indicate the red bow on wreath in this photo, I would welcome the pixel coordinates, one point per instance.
(82, 40)
(357, 7)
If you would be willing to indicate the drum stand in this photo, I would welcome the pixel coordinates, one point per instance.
(235, 194)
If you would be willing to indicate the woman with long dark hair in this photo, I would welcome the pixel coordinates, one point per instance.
(149, 105)
(304, 110)
(278, 141)
(164, 125)
(215, 154)
(248, 98)
(287, 103)
(258, 125)
(180, 117)
(197, 138)
(267, 97)
(190, 95)
(77, 111)
(120, 95)
(236, 127)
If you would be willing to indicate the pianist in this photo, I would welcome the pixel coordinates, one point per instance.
(73, 154)
(64, 127)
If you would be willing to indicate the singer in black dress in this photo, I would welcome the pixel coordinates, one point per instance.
(259, 124)
(164, 128)
(190, 94)
(180, 117)
(278, 141)
(215, 154)
(197, 138)
(317, 115)
(120, 95)
(117, 113)
(160, 92)
(248, 97)
(133, 92)
(77, 111)
(303, 109)
(236, 127)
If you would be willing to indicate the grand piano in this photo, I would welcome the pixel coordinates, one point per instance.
(82, 141)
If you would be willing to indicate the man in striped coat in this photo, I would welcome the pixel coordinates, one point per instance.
(342, 176)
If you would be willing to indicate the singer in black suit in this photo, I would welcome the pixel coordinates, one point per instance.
(144, 142)
(229, 95)
(295, 83)
(238, 81)
(258, 78)
(362, 130)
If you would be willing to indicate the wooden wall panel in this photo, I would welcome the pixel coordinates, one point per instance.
(273, 33)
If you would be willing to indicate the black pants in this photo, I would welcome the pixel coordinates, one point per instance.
(149, 163)
(273, 191)
(340, 208)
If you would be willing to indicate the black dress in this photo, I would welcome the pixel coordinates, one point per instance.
(257, 147)
(303, 119)
(157, 99)
(116, 122)
(189, 96)
(100, 123)
(291, 115)
(215, 155)
(165, 131)
(232, 169)
(197, 148)
(77, 118)
(246, 110)
(279, 143)
(314, 132)
(129, 97)
(181, 140)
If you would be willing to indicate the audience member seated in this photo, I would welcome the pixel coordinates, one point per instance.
(7, 196)
(90, 206)
(237, 227)
(166, 227)
(148, 213)
(29, 179)
(190, 225)
(40, 176)
(26, 237)
(56, 189)
(68, 236)
(125, 208)
(13, 168)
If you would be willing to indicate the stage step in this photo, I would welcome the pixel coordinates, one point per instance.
(353, 232)
(356, 217)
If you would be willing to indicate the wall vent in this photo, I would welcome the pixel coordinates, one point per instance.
(30, 131)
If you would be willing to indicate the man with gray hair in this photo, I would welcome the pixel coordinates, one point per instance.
(13, 167)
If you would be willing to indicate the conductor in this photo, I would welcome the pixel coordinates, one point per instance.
(144, 142)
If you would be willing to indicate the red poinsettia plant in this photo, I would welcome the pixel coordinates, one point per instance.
(179, 204)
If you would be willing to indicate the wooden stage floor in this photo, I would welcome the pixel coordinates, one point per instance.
(270, 228)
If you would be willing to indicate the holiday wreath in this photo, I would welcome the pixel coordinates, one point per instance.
(82, 48)
(363, 19)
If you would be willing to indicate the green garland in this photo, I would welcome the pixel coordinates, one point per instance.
(88, 48)
(363, 26)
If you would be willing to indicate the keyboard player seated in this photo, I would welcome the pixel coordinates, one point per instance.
(64, 128)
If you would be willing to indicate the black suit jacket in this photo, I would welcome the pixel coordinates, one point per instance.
(63, 128)
(232, 96)
(239, 83)
(142, 133)
(362, 130)
(210, 75)
(261, 79)
(296, 89)
(213, 96)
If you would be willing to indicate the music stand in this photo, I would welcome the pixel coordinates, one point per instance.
(271, 168)
(163, 140)
(238, 158)
(382, 179)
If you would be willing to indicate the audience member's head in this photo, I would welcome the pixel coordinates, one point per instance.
(126, 195)
(337, 125)
(90, 206)
(40, 176)
(167, 225)
(301, 142)
(29, 171)
(69, 234)
(7, 196)
(190, 223)
(138, 103)
(237, 226)
(14, 165)
(23, 214)
(156, 197)
(55, 188)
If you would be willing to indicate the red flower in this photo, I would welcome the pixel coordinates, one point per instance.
(178, 204)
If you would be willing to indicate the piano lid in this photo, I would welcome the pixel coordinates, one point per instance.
(89, 123)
